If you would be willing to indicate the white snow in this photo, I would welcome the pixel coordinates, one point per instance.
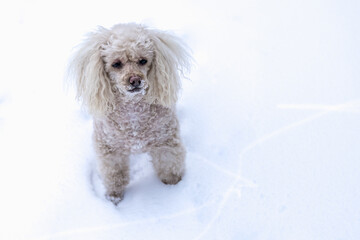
(270, 119)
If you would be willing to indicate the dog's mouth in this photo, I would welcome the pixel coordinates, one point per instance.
(142, 89)
(135, 90)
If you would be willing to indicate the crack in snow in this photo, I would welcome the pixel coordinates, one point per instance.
(232, 188)
(124, 224)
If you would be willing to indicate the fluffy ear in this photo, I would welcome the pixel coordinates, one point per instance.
(88, 70)
(171, 61)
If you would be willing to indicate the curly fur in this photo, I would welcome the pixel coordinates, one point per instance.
(132, 117)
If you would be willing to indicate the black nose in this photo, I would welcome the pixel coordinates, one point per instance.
(135, 81)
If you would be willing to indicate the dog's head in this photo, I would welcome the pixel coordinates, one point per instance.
(129, 61)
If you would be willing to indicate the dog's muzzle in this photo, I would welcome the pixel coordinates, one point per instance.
(136, 84)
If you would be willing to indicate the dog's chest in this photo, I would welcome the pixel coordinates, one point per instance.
(135, 121)
(136, 126)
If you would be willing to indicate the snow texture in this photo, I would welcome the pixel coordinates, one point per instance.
(270, 120)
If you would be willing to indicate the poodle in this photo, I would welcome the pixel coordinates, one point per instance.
(128, 78)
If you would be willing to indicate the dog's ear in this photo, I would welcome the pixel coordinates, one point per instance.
(88, 70)
(171, 61)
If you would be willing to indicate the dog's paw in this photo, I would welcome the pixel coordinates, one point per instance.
(115, 197)
(171, 179)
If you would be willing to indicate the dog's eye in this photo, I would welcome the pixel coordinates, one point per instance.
(117, 64)
(142, 61)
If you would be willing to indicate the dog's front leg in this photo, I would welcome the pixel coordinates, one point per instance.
(169, 162)
(114, 170)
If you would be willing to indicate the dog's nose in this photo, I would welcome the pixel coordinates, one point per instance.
(135, 81)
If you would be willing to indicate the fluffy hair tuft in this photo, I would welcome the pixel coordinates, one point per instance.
(172, 61)
(87, 68)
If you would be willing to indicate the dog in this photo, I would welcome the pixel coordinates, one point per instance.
(128, 78)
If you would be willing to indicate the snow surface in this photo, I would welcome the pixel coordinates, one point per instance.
(270, 119)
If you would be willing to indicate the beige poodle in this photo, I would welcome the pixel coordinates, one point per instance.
(128, 77)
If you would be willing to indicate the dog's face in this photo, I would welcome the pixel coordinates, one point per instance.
(128, 61)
